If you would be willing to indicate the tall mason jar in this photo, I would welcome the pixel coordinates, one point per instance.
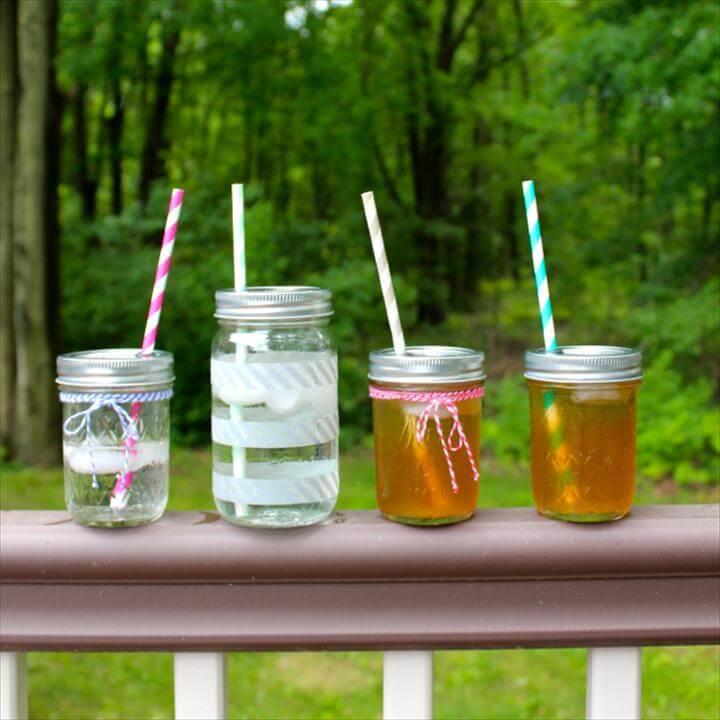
(427, 409)
(583, 401)
(274, 407)
(116, 420)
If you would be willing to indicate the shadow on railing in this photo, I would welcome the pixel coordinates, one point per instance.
(507, 578)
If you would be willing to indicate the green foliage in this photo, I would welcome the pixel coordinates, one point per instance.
(506, 431)
(678, 431)
(611, 107)
(687, 327)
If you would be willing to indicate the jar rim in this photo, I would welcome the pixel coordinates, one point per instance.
(114, 368)
(274, 303)
(584, 364)
(427, 364)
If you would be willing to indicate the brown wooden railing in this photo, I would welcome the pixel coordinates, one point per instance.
(197, 586)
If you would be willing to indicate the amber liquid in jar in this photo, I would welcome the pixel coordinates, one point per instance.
(413, 483)
(583, 449)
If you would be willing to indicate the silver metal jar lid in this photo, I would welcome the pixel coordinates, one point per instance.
(274, 302)
(427, 364)
(114, 368)
(584, 364)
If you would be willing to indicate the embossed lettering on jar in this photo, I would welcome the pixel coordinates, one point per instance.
(274, 407)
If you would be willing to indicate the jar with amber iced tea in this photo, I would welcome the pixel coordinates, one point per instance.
(427, 407)
(582, 430)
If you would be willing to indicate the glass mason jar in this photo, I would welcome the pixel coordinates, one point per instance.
(427, 409)
(116, 420)
(582, 430)
(274, 407)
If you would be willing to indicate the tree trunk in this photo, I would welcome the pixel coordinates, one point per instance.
(8, 106)
(115, 130)
(36, 431)
(522, 41)
(156, 142)
(85, 181)
(115, 121)
(429, 158)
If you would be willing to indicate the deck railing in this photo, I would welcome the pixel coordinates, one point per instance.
(507, 579)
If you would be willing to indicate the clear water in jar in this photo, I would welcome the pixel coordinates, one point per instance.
(92, 503)
(284, 472)
(293, 465)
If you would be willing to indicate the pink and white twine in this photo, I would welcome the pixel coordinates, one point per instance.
(124, 480)
(437, 401)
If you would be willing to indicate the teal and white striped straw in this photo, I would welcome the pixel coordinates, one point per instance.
(539, 269)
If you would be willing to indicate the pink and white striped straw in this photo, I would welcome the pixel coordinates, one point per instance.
(163, 270)
(124, 480)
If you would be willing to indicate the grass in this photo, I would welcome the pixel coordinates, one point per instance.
(677, 682)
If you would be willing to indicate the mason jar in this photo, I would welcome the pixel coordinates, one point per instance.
(582, 430)
(427, 409)
(274, 407)
(116, 421)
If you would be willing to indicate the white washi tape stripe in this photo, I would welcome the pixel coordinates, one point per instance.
(283, 434)
(315, 373)
(319, 401)
(294, 469)
(253, 491)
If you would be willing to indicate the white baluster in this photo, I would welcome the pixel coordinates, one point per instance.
(200, 686)
(614, 681)
(408, 685)
(13, 686)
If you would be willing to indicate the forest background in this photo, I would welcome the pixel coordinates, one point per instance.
(442, 107)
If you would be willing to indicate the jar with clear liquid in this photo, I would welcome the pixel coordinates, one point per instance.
(116, 420)
(274, 407)
(583, 401)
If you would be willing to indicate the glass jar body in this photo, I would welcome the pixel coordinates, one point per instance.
(425, 474)
(274, 422)
(116, 450)
(583, 449)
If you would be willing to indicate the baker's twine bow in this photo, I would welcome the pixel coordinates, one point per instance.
(81, 421)
(436, 402)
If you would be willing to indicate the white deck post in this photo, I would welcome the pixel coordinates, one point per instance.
(408, 685)
(200, 686)
(614, 681)
(13, 686)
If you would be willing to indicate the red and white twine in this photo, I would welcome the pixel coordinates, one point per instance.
(437, 401)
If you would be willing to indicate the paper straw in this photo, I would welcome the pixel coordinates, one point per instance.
(383, 269)
(552, 414)
(539, 269)
(239, 279)
(238, 224)
(124, 480)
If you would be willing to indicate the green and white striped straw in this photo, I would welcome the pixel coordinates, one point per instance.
(238, 227)
(240, 280)
(539, 269)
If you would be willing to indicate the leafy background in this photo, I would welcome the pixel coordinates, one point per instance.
(611, 106)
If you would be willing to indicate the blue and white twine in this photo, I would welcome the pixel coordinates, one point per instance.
(81, 421)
